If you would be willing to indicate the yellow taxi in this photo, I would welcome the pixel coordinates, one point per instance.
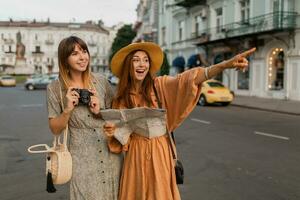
(214, 91)
(7, 81)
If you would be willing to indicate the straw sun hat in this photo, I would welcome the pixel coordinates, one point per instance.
(154, 51)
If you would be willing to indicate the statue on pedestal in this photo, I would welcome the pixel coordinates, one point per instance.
(21, 65)
(20, 49)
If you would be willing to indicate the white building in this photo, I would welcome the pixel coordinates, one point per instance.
(41, 41)
(147, 21)
(219, 29)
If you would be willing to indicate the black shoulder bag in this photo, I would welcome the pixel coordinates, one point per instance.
(178, 165)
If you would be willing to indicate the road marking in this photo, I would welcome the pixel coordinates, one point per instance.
(31, 105)
(201, 121)
(271, 135)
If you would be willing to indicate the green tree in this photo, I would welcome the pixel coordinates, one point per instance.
(124, 37)
(165, 67)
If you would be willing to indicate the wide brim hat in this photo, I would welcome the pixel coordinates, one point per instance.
(153, 50)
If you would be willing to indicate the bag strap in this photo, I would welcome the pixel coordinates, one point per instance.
(57, 138)
(170, 135)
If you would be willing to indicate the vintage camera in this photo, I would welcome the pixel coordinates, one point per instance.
(84, 96)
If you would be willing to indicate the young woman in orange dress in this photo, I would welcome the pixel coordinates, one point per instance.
(148, 169)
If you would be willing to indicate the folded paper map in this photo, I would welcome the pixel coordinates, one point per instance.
(147, 122)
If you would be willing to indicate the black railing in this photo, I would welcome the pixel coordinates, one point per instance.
(190, 3)
(275, 21)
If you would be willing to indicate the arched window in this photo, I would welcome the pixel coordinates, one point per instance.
(276, 69)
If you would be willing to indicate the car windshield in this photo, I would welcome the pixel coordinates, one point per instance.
(36, 76)
(215, 84)
(6, 78)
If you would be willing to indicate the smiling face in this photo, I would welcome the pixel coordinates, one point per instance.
(141, 65)
(79, 59)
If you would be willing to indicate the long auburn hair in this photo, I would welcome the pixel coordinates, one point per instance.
(126, 83)
(65, 49)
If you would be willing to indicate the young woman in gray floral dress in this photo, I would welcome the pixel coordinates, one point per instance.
(96, 171)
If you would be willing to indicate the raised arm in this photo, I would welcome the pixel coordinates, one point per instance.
(238, 62)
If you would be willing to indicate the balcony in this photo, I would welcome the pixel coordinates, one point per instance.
(200, 37)
(10, 52)
(190, 3)
(272, 22)
(37, 53)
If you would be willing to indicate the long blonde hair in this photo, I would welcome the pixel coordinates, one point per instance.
(65, 48)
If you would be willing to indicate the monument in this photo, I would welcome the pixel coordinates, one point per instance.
(20, 64)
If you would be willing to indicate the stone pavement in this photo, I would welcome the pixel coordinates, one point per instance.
(273, 105)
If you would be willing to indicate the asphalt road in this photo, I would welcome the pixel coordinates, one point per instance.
(229, 153)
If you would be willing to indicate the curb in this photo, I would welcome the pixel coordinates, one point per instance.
(265, 109)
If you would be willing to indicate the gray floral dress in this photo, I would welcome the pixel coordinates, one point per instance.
(96, 171)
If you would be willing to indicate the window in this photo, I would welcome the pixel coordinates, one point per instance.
(276, 69)
(50, 36)
(243, 80)
(36, 37)
(245, 11)
(219, 19)
(163, 35)
(197, 25)
(163, 7)
(180, 31)
(37, 49)
(215, 84)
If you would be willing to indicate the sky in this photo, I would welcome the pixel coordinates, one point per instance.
(110, 12)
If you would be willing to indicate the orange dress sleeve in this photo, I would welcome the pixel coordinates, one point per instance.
(179, 95)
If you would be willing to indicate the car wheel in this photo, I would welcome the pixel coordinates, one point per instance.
(30, 87)
(202, 100)
(225, 103)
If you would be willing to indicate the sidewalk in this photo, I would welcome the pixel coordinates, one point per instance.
(273, 105)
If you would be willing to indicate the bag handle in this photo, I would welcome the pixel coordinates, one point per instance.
(46, 150)
(170, 135)
(57, 140)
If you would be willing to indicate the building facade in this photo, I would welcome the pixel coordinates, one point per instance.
(147, 21)
(31, 47)
(215, 30)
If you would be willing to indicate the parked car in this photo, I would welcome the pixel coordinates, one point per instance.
(213, 91)
(113, 80)
(7, 81)
(39, 81)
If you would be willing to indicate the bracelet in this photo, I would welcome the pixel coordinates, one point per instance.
(206, 73)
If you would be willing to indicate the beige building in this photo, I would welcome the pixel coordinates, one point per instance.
(31, 47)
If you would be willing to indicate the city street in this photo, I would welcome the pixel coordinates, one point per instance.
(228, 153)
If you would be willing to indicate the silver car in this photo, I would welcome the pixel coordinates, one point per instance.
(39, 81)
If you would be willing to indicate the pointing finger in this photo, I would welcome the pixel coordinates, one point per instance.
(248, 52)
